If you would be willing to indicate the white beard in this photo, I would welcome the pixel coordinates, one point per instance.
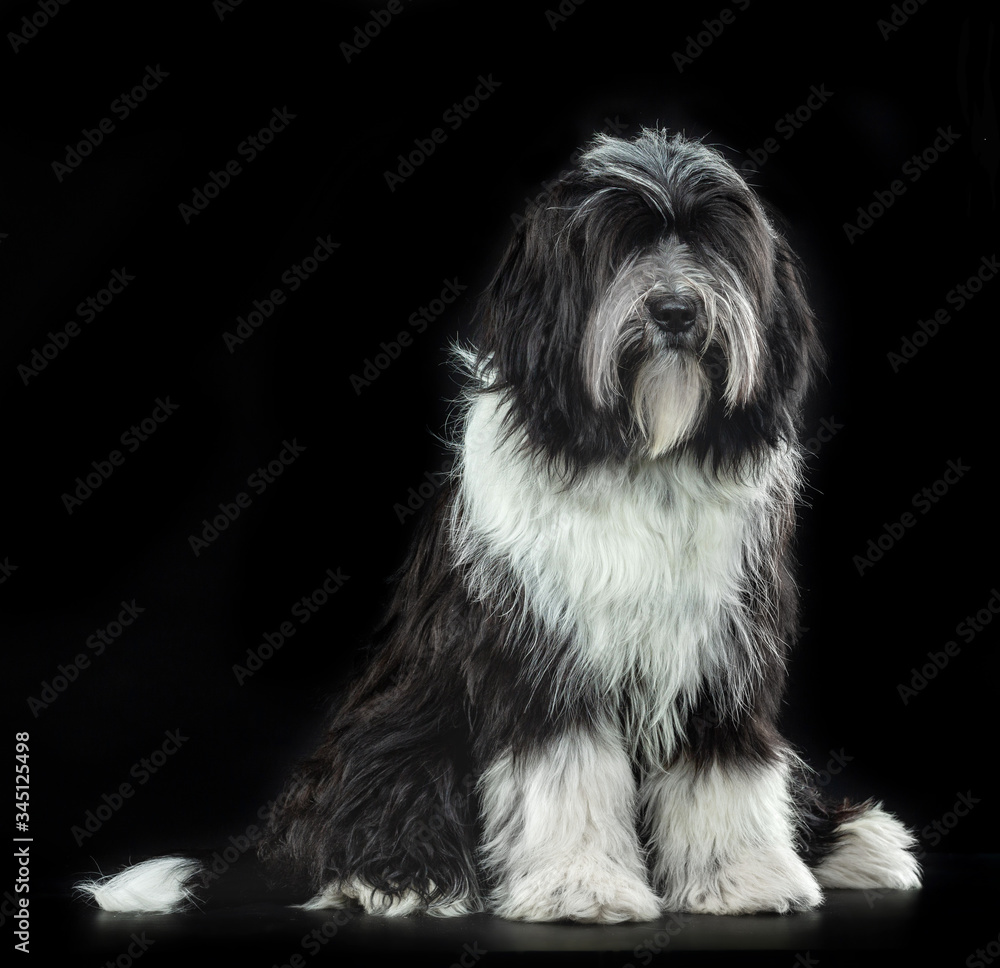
(670, 395)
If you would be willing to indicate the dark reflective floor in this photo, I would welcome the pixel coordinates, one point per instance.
(956, 913)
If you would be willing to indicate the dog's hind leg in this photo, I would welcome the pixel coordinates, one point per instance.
(381, 815)
(855, 845)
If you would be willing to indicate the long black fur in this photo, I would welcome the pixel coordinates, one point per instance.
(389, 797)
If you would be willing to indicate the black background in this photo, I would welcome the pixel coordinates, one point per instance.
(555, 80)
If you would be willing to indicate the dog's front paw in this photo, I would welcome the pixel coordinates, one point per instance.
(777, 880)
(578, 892)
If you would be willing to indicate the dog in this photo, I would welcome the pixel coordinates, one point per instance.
(571, 709)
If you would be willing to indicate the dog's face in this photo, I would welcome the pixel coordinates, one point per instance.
(648, 304)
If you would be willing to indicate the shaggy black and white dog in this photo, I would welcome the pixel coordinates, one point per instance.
(571, 710)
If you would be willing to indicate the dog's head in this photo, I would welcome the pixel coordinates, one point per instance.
(647, 304)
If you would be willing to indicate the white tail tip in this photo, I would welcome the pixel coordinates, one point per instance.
(161, 885)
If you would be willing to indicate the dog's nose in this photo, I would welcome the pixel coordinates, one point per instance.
(671, 314)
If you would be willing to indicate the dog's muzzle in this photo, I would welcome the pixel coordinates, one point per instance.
(672, 314)
(673, 318)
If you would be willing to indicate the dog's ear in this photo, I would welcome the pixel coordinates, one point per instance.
(534, 301)
(794, 343)
(531, 323)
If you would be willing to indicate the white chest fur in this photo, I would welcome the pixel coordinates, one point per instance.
(643, 569)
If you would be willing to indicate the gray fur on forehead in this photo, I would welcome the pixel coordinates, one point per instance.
(656, 159)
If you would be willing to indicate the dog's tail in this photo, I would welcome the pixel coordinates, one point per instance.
(160, 885)
(860, 846)
(175, 882)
